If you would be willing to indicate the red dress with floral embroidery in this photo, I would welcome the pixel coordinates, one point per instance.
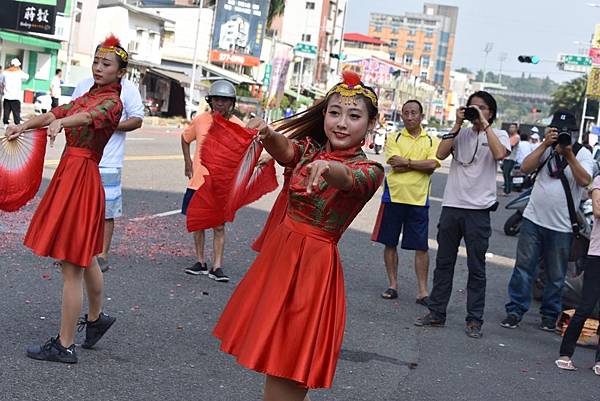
(286, 318)
(69, 221)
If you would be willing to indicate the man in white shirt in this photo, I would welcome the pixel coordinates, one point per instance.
(1, 88)
(469, 197)
(112, 158)
(547, 232)
(13, 92)
(55, 90)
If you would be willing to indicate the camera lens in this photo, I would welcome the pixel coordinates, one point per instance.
(564, 138)
(471, 114)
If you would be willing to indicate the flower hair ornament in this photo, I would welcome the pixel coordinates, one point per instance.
(351, 86)
(112, 44)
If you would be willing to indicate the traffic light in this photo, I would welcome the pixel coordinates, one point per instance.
(529, 59)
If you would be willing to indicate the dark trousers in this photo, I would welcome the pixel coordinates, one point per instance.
(54, 102)
(507, 168)
(474, 227)
(591, 295)
(13, 106)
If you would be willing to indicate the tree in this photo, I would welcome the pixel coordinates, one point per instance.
(276, 8)
(570, 96)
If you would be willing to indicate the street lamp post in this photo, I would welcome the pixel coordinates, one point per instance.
(487, 49)
(502, 59)
(195, 59)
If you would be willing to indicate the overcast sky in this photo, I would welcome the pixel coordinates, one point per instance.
(540, 27)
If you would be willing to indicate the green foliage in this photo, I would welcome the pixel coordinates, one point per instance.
(521, 84)
(570, 96)
(276, 8)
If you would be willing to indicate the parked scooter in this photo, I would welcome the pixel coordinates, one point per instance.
(520, 180)
(513, 223)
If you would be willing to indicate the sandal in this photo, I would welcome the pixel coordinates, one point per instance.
(423, 301)
(390, 293)
(596, 369)
(565, 365)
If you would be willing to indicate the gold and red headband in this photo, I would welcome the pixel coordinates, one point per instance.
(351, 86)
(113, 45)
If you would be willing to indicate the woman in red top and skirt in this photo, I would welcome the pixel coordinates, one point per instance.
(286, 318)
(69, 222)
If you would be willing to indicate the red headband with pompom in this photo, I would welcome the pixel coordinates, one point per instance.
(112, 44)
(351, 86)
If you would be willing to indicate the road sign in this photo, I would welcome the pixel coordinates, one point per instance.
(572, 59)
(593, 86)
(306, 49)
(596, 38)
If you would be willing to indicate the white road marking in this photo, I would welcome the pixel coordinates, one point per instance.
(154, 216)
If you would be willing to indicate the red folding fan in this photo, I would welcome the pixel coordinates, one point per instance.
(229, 153)
(21, 164)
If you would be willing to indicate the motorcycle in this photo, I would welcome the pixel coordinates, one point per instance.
(519, 179)
(512, 226)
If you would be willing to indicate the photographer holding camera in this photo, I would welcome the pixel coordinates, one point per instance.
(469, 197)
(563, 169)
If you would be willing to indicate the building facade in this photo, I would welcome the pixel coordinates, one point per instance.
(423, 42)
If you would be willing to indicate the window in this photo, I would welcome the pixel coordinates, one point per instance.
(310, 5)
(427, 47)
(393, 56)
(412, 31)
(423, 74)
(78, 10)
(394, 28)
(306, 37)
(377, 27)
(393, 43)
(425, 60)
(410, 44)
(429, 33)
(408, 58)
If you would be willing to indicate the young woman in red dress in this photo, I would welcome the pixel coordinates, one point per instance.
(69, 222)
(286, 318)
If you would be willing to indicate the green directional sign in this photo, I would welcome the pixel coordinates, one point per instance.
(267, 76)
(572, 59)
(306, 48)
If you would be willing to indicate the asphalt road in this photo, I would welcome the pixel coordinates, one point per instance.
(161, 347)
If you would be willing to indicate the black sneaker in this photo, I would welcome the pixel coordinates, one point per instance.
(510, 322)
(96, 329)
(53, 351)
(473, 330)
(430, 320)
(218, 275)
(548, 325)
(197, 269)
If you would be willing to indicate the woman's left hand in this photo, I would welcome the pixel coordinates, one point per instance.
(315, 170)
(13, 132)
(481, 119)
(54, 129)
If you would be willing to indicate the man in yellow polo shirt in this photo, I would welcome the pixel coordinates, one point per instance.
(405, 201)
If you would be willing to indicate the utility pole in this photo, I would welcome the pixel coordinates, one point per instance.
(502, 59)
(195, 60)
(488, 48)
(70, 44)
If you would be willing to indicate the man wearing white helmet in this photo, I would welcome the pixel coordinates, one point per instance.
(13, 91)
(221, 98)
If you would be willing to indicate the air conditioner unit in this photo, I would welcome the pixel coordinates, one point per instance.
(132, 47)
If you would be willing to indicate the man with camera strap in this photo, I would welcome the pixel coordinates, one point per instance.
(563, 168)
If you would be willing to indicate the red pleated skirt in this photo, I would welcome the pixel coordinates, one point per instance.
(69, 221)
(274, 219)
(286, 317)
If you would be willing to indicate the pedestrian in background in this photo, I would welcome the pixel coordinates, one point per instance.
(111, 165)
(547, 229)
(13, 92)
(55, 91)
(221, 98)
(469, 197)
(534, 139)
(590, 294)
(405, 201)
(1, 89)
(509, 162)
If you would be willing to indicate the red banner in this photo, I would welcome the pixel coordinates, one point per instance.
(218, 56)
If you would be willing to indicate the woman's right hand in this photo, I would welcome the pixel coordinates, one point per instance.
(257, 123)
(13, 132)
(188, 169)
(460, 115)
(54, 129)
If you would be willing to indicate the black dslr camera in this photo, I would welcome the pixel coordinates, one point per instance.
(471, 113)
(564, 122)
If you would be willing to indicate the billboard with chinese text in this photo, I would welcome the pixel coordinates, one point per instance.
(238, 31)
(29, 16)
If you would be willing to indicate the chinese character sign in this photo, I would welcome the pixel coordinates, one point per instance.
(30, 16)
(238, 31)
(593, 87)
